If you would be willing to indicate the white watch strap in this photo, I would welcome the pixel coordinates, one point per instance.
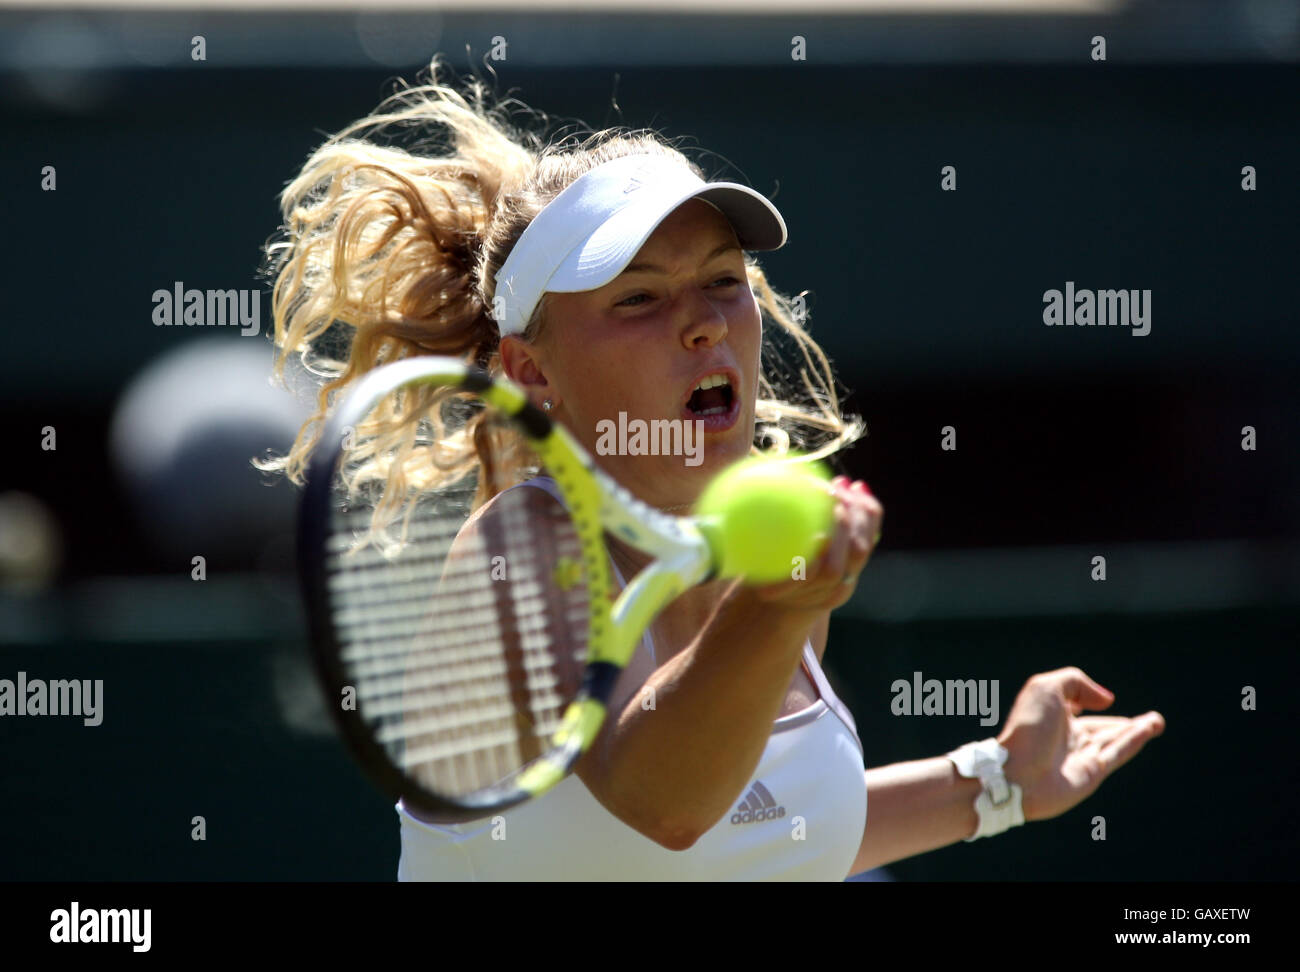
(999, 804)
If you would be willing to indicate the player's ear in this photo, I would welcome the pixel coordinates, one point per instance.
(522, 363)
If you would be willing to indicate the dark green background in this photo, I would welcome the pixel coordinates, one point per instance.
(930, 304)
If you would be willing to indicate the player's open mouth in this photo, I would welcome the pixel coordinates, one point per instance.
(714, 402)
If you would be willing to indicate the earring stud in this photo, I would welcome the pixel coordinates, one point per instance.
(548, 405)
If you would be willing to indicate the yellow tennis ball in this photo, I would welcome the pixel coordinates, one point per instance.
(760, 514)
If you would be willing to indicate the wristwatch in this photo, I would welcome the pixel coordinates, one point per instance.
(999, 803)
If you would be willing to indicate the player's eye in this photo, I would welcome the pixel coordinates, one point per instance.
(636, 300)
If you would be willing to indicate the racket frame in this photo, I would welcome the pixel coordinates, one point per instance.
(597, 503)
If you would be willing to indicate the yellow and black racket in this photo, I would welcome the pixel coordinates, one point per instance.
(468, 654)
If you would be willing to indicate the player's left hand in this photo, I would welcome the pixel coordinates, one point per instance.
(833, 577)
(1058, 757)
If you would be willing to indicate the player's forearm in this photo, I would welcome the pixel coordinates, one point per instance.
(672, 771)
(915, 807)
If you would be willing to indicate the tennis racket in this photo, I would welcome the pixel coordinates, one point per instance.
(468, 654)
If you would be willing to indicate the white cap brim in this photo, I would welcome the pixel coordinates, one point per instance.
(586, 235)
(603, 255)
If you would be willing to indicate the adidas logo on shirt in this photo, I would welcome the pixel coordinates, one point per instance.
(758, 805)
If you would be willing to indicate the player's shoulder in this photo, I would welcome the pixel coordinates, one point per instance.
(525, 514)
(530, 496)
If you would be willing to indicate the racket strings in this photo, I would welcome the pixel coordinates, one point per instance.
(463, 642)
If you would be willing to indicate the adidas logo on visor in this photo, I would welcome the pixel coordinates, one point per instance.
(757, 806)
(646, 170)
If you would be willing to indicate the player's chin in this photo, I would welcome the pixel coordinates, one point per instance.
(720, 452)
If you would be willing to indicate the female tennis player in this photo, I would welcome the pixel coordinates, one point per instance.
(615, 284)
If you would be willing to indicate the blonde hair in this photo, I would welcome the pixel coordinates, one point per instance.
(387, 253)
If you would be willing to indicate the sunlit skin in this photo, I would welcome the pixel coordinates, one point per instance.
(638, 345)
(682, 308)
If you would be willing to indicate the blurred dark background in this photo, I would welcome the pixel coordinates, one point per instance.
(1072, 442)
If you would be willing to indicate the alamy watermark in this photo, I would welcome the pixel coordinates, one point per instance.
(1100, 308)
(74, 697)
(656, 437)
(208, 308)
(930, 696)
(130, 926)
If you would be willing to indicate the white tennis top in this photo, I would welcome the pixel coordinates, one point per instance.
(799, 818)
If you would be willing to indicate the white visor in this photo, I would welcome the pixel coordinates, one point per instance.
(589, 232)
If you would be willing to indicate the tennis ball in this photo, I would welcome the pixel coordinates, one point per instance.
(760, 514)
